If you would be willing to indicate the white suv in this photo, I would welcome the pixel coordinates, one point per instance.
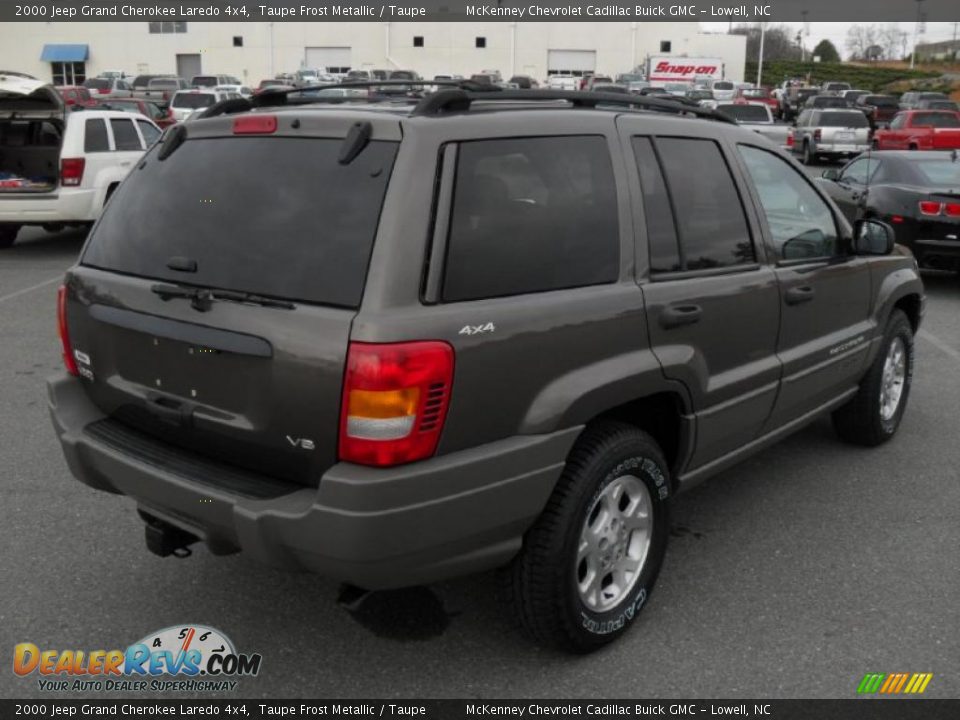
(58, 167)
(187, 102)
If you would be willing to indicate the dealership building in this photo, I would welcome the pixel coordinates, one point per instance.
(67, 52)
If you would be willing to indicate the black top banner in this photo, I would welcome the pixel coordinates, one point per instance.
(482, 10)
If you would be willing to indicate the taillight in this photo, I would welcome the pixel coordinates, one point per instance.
(395, 399)
(817, 135)
(930, 207)
(789, 139)
(68, 361)
(952, 209)
(71, 171)
(255, 125)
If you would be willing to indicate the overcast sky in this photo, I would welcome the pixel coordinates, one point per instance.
(836, 32)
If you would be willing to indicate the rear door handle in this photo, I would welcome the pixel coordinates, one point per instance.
(798, 295)
(677, 315)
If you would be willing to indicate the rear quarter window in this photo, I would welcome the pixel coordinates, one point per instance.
(531, 215)
(95, 137)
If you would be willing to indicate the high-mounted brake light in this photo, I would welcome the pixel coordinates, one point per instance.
(68, 361)
(930, 207)
(395, 399)
(255, 125)
(71, 171)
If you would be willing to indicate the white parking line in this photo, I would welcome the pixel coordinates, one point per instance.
(940, 344)
(12, 295)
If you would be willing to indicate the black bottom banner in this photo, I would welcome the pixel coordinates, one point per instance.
(854, 709)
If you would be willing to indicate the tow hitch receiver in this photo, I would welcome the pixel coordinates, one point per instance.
(164, 539)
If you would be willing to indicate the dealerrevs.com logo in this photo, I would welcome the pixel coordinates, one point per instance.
(178, 658)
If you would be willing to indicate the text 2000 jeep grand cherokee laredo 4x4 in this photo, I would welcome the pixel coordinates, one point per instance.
(394, 343)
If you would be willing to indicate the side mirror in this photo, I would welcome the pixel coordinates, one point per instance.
(872, 237)
(831, 174)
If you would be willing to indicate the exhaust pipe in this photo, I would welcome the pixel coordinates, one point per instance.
(164, 539)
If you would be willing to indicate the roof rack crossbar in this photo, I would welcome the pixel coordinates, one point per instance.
(458, 100)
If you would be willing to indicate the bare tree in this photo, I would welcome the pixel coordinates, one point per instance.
(860, 38)
(779, 42)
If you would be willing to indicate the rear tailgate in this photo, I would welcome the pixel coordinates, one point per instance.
(276, 215)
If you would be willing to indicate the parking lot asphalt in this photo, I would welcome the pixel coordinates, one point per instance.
(790, 575)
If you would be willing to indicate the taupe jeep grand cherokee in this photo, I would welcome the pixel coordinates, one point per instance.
(395, 342)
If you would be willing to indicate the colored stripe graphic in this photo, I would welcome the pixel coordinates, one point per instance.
(894, 683)
(871, 682)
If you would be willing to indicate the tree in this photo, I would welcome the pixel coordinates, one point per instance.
(860, 38)
(826, 51)
(778, 42)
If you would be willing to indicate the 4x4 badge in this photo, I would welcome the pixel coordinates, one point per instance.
(477, 329)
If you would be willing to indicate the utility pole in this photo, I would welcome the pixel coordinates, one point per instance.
(763, 30)
(916, 30)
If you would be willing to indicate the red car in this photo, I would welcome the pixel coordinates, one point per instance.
(920, 130)
(76, 96)
(762, 95)
(162, 117)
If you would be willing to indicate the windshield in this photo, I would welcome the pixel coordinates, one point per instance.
(940, 171)
(755, 93)
(310, 242)
(843, 119)
(401, 75)
(193, 100)
(205, 81)
(97, 84)
(746, 113)
(723, 86)
(163, 84)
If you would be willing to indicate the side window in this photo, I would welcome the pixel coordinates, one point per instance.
(661, 232)
(897, 122)
(150, 132)
(802, 120)
(859, 171)
(531, 214)
(95, 137)
(710, 217)
(125, 135)
(801, 223)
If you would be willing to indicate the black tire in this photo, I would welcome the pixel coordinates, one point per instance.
(807, 156)
(542, 582)
(53, 227)
(8, 234)
(861, 421)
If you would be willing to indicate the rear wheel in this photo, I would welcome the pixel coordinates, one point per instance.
(8, 234)
(589, 563)
(873, 415)
(807, 155)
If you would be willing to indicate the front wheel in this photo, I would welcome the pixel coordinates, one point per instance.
(589, 563)
(873, 415)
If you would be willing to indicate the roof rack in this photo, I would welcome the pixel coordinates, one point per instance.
(458, 96)
(461, 100)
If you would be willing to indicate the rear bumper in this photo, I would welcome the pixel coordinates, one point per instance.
(62, 205)
(840, 149)
(376, 528)
(938, 254)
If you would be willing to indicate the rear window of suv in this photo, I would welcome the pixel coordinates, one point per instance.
(274, 216)
(193, 100)
(530, 215)
(843, 119)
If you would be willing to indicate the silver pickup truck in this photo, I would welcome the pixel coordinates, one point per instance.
(831, 133)
(758, 117)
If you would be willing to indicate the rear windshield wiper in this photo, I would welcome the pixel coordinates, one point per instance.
(202, 298)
